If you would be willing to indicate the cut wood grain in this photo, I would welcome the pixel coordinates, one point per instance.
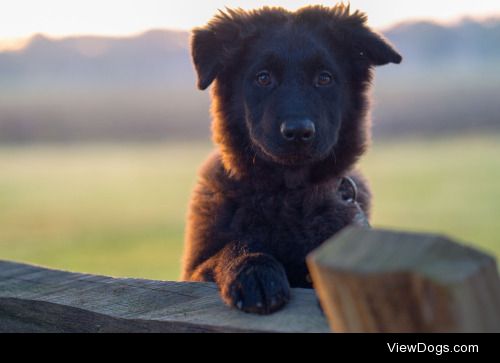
(382, 281)
(35, 299)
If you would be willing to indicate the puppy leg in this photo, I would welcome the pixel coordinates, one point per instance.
(250, 281)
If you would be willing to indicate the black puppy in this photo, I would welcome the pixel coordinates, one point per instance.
(289, 118)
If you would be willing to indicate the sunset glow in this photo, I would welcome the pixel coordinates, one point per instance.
(21, 18)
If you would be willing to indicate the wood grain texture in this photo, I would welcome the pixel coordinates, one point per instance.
(382, 281)
(35, 299)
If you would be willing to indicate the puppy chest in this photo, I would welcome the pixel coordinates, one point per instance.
(285, 220)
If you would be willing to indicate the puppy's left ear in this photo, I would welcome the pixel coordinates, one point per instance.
(375, 48)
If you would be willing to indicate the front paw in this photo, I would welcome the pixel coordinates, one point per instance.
(259, 285)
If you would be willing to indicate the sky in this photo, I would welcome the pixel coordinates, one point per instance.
(19, 19)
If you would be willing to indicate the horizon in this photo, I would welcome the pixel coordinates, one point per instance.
(24, 42)
(92, 17)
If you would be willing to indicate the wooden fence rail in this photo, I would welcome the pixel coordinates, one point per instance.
(35, 299)
(367, 281)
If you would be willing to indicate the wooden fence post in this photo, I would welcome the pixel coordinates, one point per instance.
(372, 280)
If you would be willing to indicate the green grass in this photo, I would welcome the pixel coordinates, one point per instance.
(119, 209)
(449, 186)
(116, 210)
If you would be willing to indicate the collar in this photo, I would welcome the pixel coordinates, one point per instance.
(347, 189)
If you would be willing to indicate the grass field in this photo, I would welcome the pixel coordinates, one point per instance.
(119, 209)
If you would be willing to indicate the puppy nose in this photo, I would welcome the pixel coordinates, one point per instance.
(298, 130)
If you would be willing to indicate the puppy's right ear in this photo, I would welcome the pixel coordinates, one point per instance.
(216, 45)
(206, 51)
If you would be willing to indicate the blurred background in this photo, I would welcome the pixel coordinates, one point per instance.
(102, 128)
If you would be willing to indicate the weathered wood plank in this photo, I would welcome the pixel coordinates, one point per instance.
(35, 299)
(382, 281)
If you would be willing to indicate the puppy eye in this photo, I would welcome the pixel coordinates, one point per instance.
(324, 79)
(264, 79)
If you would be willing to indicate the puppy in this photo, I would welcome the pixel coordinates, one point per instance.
(289, 105)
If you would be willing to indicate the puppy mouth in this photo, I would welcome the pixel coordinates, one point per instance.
(302, 156)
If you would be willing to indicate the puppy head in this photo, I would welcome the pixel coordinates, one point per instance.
(289, 86)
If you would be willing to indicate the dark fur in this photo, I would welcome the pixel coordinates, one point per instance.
(261, 205)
